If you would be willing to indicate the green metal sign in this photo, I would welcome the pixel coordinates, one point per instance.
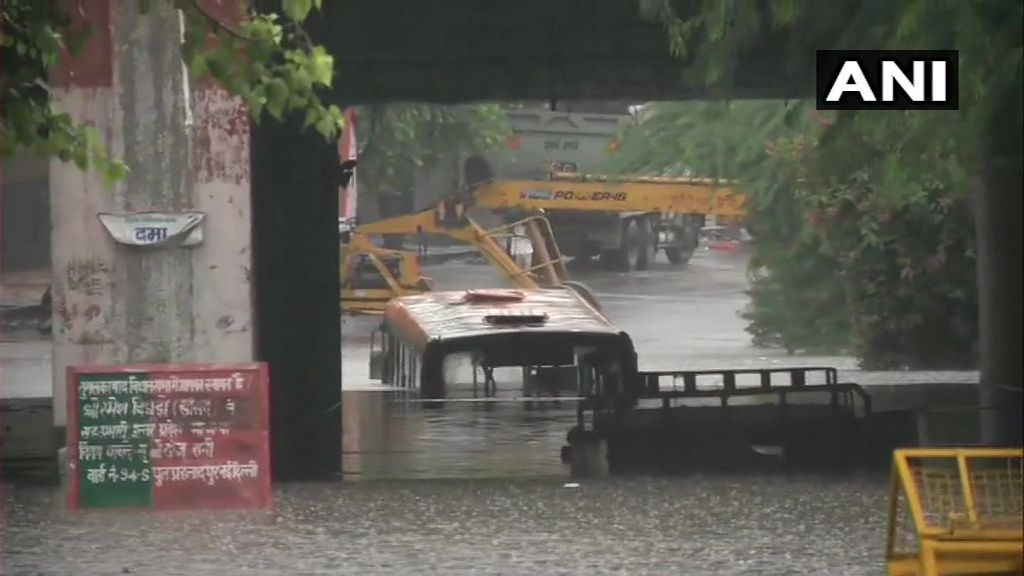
(114, 466)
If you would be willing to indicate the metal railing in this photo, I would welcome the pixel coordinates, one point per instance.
(726, 384)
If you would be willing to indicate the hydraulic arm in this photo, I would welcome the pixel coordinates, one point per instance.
(372, 275)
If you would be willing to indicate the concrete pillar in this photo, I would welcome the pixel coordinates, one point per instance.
(119, 304)
(298, 311)
(297, 306)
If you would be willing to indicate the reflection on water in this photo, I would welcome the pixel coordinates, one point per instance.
(492, 500)
(392, 436)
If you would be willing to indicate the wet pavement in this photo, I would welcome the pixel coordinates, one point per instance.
(478, 488)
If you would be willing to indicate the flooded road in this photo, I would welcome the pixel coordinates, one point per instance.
(688, 525)
(387, 437)
(478, 488)
(683, 318)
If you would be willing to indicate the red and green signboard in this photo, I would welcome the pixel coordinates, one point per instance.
(169, 436)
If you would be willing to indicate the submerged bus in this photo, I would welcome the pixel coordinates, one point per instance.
(558, 339)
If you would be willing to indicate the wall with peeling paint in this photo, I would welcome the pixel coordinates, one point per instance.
(223, 308)
(119, 304)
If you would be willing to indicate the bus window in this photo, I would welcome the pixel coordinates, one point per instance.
(376, 354)
(466, 371)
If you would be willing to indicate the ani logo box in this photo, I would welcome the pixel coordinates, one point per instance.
(888, 80)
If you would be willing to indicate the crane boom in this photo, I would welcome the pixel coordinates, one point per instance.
(598, 193)
(447, 218)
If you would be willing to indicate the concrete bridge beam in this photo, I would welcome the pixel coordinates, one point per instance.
(462, 50)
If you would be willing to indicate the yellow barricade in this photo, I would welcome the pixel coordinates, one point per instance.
(956, 511)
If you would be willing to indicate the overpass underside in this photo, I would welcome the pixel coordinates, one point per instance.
(452, 51)
(467, 50)
(443, 52)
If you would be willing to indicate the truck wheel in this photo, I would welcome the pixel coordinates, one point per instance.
(620, 259)
(683, 251)
(647, 245)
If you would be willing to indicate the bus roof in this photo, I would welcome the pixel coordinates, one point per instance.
(436, 316)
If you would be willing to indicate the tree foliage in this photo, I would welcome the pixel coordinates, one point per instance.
(864, 240)
(762, 145)
(397, 140)
(266, 60)
(863, 220)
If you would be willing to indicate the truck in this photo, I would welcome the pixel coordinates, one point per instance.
(647, 211)
(623, 221)
(558, 210)
(626, 221)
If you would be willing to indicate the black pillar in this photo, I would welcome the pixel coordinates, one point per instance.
(295, 277)
(999, 225)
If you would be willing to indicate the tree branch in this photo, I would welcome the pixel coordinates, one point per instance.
(217, 24)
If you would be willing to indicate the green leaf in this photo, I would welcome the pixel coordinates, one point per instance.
(299, 79)
(277, 96)
(312, 115)
(116, 172)
(326, 127)
(198, 67)
(77, 41)
(296, 10)
(322, 65)
(216, 67)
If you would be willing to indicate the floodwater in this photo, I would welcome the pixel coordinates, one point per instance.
(478, 488)
(472, 489)
(699, 525)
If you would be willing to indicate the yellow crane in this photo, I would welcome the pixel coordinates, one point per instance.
(372, 275)
(623, 220)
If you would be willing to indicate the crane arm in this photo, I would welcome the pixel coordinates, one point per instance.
(479, 238)
(467, 231)
(611, 194)
(424, 221)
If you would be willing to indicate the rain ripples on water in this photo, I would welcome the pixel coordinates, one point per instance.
(484, 493)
